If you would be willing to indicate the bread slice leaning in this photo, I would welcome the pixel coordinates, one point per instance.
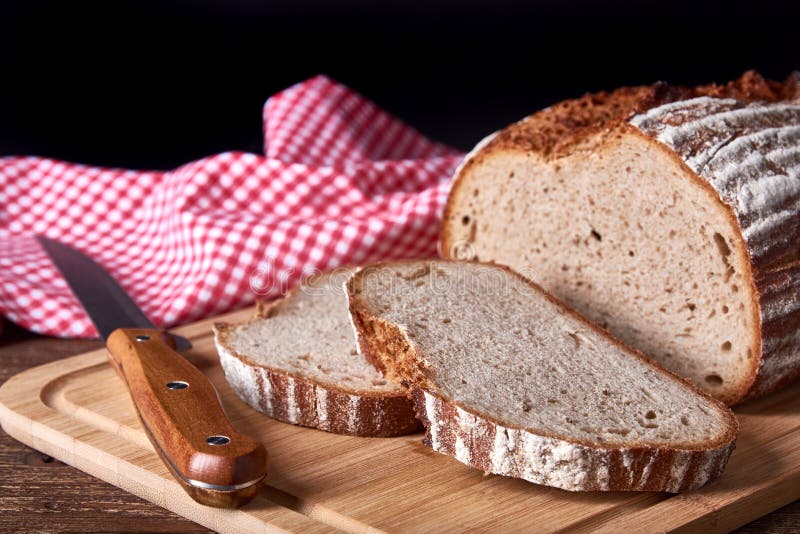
(509, 380)
(297, 361)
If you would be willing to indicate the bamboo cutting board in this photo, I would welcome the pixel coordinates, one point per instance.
(78, 411)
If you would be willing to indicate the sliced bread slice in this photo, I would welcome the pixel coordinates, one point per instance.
(668, 215)
(509, 380)
(297, 361)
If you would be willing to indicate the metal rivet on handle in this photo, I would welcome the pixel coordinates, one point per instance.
(177, 384)
(218, 440)
(142, 338)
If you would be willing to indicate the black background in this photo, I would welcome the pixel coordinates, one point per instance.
(155, 84)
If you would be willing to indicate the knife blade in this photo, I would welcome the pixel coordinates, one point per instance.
(179, 408)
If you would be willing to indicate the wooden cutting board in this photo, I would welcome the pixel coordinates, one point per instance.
(78, 411)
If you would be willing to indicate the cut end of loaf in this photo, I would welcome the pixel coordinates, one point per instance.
(629, 238)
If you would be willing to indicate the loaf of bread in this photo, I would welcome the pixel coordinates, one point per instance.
(668, 215)
(297, 361)
(508, 380)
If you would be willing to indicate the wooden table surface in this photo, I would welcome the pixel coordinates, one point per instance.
(38, 493)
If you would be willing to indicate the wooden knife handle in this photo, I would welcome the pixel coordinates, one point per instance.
(184, 419)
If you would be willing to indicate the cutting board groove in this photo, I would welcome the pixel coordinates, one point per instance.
(78, 411)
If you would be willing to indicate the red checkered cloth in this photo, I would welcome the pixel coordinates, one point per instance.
(341, 182)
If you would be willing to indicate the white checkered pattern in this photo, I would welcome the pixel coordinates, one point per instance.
(342, 182)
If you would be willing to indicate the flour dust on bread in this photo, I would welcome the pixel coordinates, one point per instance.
(297, 361)
(668, 215)
(507, 379)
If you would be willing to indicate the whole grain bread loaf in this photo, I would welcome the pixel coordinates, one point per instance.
(509, 380)
(668, 215)
(297, 361)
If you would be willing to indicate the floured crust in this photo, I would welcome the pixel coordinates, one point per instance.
(585, 123)
(488, 445)
(779, 364)
(484, 442)
(556, 130)
(306, 402)
(302, 400)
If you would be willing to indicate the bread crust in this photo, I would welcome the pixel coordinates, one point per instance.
(779, 364)
(557, 130)
(587, 122)
(305, 401)
(628, 466)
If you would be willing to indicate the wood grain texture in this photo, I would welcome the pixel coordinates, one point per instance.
(147, 362)
(39, 493)
(458, 496)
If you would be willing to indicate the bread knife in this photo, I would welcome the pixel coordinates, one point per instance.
(180, 410)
